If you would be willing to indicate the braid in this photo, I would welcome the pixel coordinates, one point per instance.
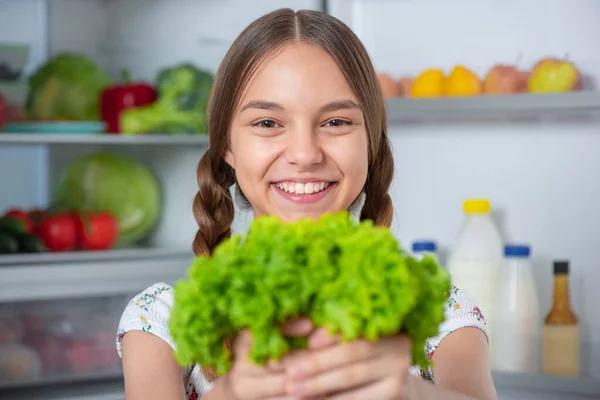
(378, 203)
(213, 205)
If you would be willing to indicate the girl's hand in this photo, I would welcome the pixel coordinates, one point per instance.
(248, 381)
(355, 370)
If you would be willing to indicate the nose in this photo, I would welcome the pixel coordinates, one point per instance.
(304, 148)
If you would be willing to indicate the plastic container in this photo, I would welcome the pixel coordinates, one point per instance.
(477, 256)
(515, 343)
(59, 339)
(420, 248)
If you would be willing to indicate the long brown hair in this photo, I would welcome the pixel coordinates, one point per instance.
(213, 204)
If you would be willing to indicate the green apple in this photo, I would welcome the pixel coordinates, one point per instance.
(552, 75)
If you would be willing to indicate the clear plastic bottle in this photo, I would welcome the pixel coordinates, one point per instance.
(477, 256)
(421, 248)
(515, 343)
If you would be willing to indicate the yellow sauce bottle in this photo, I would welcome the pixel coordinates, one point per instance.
(560, 335)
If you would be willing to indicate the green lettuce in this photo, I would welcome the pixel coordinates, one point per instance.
(352, 278)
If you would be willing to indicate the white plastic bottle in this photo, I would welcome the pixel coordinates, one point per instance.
(420, 248)
(515, 343)
(477, 256)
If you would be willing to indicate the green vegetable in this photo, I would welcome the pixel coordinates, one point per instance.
(8, 243)
(12, 225)
(115, 183)
(350, 277)
(30, 244)
(67, 87)
(183, 93)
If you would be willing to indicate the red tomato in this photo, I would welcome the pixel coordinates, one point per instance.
(22, 216)
(97, 231)
(59, 232)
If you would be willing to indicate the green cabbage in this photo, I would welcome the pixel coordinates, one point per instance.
(115, 183)
(350, 277)
(67, 87)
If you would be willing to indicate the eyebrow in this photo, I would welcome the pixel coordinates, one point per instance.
(329, 107)
(339, 105)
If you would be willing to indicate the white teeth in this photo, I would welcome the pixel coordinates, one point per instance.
(303, 188)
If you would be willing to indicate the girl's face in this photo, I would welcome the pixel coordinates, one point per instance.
(298, 138)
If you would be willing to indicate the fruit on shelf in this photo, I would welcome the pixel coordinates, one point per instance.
(59, 232)
(122, 96)
(429, 83)
(37, 230)
(97, 231)
(462, 82)
(404, 86)
(554, 75)
(505, 79)
(18, 362)
(389, 87)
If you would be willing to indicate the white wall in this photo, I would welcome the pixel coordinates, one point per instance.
(542, 179)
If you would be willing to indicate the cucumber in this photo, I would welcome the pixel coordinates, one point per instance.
(12, 225)
(30, 244)
(8, 243)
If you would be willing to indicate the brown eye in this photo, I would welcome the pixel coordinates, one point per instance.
(338, 123)
(267, 124)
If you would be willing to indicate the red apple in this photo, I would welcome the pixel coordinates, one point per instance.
(505, 79)
(404, 85)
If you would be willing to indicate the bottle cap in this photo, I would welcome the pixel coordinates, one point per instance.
(424, 245)
(477, 206)
(561, 267)
(517, 250)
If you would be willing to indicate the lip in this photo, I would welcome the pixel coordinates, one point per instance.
(304, 198)
(303, 180)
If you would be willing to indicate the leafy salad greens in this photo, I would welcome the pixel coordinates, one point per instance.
(352, 278)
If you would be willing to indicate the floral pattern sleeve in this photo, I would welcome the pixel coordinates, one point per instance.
(461, 312)
(148, 312)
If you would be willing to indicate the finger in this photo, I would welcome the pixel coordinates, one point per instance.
(341, 379)
(242, 343)
(318, 361)
(261, 386)
(297, 327)
(387, 389)
(322, 338)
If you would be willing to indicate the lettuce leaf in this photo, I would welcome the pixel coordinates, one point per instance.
(352, 278)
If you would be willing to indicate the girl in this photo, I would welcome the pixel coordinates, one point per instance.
(297, 123)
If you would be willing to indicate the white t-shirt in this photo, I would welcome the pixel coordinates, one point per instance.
(149, 312)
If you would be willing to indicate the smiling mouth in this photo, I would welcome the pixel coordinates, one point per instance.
(304, 192)
(303, 188)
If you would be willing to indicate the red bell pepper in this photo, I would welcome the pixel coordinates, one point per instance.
(118, 98)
